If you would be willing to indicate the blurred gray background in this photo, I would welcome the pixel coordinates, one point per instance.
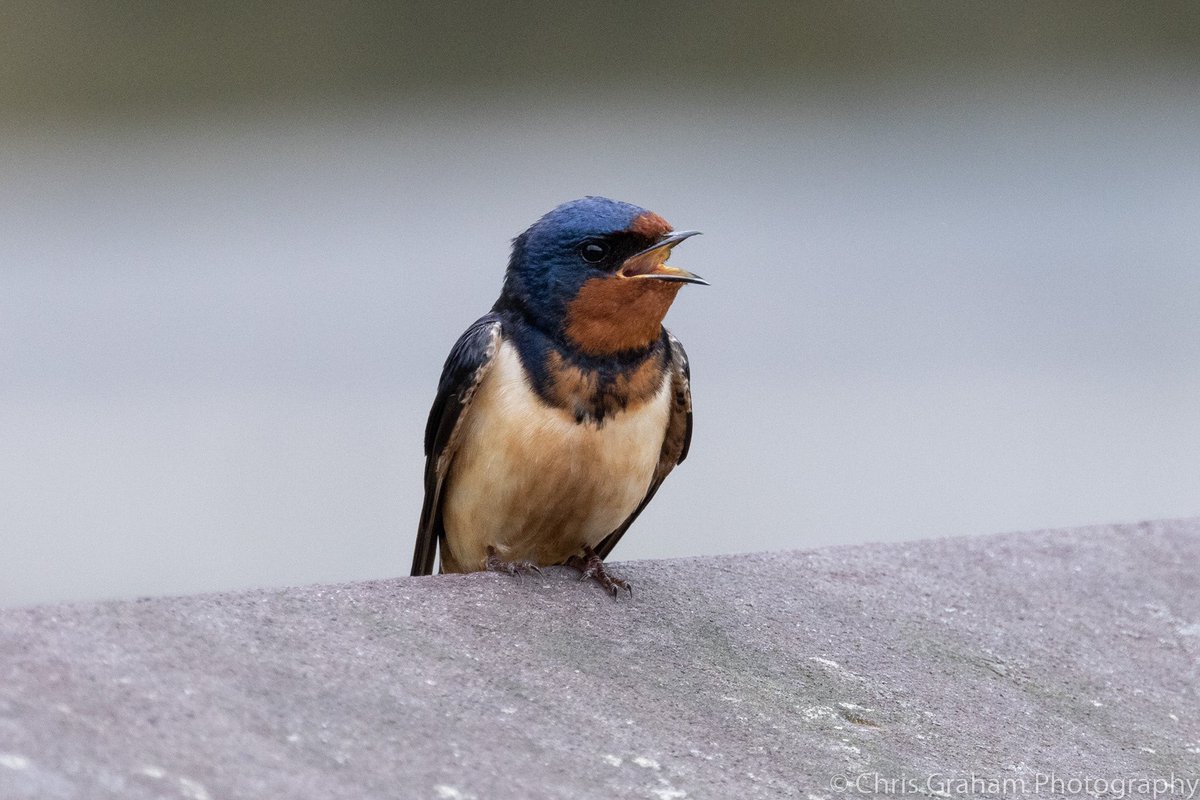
(954, 251)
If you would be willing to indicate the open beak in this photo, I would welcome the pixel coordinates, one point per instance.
(652, 262)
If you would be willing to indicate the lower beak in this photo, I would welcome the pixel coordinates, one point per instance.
(652, 262)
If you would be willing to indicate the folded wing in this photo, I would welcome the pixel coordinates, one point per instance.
(468, 363)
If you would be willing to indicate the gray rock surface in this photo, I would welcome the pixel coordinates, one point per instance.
(1005, 657)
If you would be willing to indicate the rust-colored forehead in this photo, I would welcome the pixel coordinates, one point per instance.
(650, 225)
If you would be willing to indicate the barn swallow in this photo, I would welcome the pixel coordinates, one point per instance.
(561, 411)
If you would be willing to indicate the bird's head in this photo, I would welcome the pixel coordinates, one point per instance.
(593, 272)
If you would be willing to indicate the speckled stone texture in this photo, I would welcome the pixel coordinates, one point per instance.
(1005, 657)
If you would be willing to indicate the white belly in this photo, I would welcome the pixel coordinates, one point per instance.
(530, 481)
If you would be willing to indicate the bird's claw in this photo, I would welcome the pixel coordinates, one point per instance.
(591, 567)
(493, 563)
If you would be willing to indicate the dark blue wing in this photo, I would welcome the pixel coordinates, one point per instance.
(469, 361)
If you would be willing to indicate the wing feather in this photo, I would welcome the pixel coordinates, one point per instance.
(469, 361)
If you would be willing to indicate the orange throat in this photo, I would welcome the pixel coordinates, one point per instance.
(618, 314)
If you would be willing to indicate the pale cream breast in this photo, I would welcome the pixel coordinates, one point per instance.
(532, 482)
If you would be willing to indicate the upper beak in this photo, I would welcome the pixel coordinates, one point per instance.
(651, 262)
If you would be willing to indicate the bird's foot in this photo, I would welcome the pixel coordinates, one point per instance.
(493, 563)
(592, 566)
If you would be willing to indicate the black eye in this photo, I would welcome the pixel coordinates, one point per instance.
(593, 251)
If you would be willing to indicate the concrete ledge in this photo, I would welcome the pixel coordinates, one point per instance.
(1075, 652)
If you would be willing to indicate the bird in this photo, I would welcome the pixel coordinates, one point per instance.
(560, 412)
